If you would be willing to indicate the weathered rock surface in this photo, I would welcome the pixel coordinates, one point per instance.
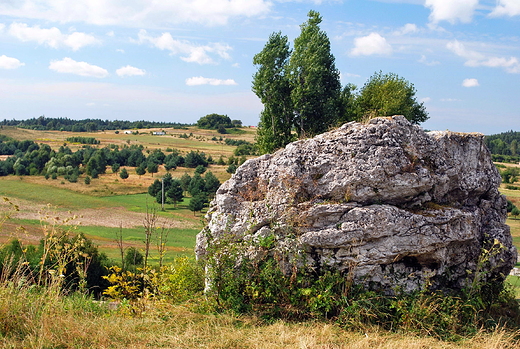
(385, 201)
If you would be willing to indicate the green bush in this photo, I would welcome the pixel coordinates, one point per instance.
(258, 285)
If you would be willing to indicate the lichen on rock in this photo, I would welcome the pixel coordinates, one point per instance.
(396, 207)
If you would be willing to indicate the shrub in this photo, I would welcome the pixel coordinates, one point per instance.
(254, 282)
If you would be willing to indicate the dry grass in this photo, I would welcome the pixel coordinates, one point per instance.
(201, 139)
(74, 323)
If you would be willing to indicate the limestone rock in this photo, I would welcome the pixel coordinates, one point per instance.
(385, 201)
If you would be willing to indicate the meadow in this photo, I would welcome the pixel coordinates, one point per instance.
(109, 206)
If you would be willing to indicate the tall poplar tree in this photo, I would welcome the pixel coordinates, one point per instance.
(271, 85)
(314, 80)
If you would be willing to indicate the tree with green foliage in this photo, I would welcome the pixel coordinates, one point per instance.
(141, 169)
(211, 184)
(115, 167)
(175, 192)
(272, 85)
(390, 94)
(87, 180)
(514, 147)
(155, 188)
(133, 258)
(315, 81)
(200, 169)
(123, 173)
(232, 168)
(197, 203)
(515, 212)
(185, 181)
(197, 185)
(194, 159)
(214, 121)
(152, 167)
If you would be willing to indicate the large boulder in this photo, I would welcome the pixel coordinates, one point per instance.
(395, 207)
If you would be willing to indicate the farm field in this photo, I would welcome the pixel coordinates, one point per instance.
(110, 204)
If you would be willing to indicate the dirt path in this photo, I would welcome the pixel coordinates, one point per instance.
(106, 217)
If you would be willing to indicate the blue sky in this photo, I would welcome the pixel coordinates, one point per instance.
(178, 60)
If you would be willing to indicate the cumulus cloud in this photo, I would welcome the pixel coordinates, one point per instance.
(477, 59)
(136, 13)
(372, 44)
(2, 26)
(470, 83)
(506, 8)
(406, 29)
(70, 66)
(130, 71)
(52, 37)
(9, 62)
(199, 80)
(189, 52)
(452, 11)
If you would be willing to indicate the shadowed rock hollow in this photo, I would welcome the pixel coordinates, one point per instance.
(394, 206)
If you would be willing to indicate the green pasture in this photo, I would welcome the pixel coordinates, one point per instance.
(64, 199)
(179, 241)
(42, 194)
(514, 282)
(178, 238)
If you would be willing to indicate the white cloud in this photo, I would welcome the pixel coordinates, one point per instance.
(130, 71)
(196, 81)
(425, 61)
(136, 13)
(350, 75)
(2, 26)
(52, 37)
(451, 10)
(470, 83)
(450, 100)
(189, 52)
(68, 65)
(506, 8)
(372, 44)
(406, 29)
(477, 59)
(78, 40)
(425, 100)
(9, 62)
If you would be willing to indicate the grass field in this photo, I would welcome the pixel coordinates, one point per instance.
(201, 139)
(109, 202)
(110, 205)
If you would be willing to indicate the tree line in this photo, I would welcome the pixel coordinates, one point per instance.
(302, 95)
(29, 158)
(86, 125)
(504, 146)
